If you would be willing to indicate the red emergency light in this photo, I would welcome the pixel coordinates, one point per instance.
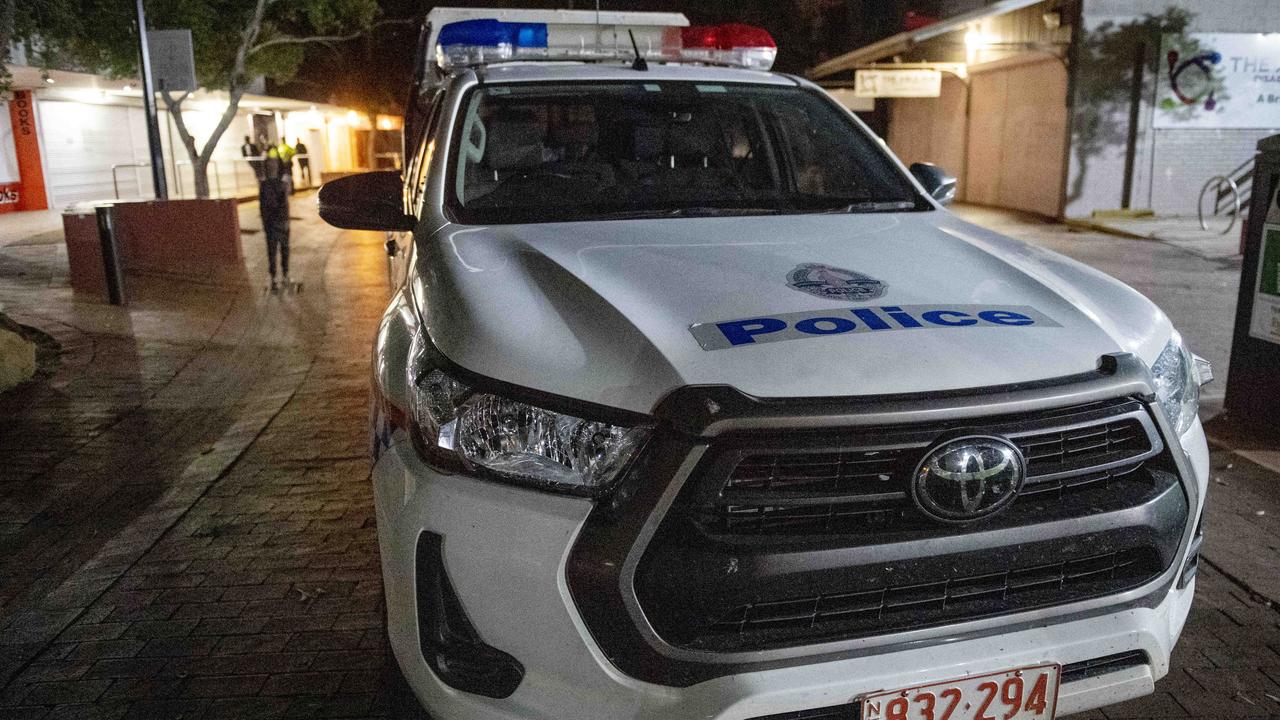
(729, 44)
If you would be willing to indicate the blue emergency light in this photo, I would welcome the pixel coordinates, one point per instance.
(475, 42)
(493, 33)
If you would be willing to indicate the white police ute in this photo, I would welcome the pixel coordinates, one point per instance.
(693, 402)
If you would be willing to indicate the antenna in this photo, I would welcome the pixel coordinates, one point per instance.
(640, 63)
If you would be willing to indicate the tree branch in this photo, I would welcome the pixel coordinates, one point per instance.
(174, 107)
(290, 40)
(327, 39)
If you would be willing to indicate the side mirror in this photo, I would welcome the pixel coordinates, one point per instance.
(940, 185)
(368, 201)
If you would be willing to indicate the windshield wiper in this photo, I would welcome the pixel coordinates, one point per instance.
(692, 211)
(865, 206)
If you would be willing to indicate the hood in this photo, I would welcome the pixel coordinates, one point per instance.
(621, 313)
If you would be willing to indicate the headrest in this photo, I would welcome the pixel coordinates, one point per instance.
(696, 138)
(514, 140)
(648, 143)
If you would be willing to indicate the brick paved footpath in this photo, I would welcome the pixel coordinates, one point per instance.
(186, 525)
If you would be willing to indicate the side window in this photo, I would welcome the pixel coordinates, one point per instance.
(418, 172)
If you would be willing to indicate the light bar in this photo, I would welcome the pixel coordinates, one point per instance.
(469, 43)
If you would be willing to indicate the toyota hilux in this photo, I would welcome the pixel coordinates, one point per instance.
(692, 401)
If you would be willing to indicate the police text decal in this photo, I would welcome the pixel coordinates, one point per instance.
(800, 325)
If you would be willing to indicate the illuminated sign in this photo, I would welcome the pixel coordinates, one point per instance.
(1219, 80)
(21, 175)
(876, 83)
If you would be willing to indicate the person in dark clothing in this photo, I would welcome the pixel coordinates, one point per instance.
(304, 162)
(273, 202)
(251, 150)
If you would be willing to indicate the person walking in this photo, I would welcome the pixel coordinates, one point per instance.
(304, 160)
(273, 203)
(251, 150)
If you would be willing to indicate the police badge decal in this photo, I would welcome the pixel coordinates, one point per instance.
(834, 283)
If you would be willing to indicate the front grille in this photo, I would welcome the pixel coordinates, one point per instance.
(1070, 673)
(788, 538)
(817, 489)
(900, 607)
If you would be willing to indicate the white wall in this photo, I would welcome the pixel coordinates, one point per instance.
(82, 140)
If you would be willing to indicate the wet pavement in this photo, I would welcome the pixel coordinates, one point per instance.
(186, 522)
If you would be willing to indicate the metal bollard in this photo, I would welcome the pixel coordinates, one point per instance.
(110, 254)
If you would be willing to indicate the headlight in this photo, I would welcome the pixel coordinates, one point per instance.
(1177, 382)
(512, 440)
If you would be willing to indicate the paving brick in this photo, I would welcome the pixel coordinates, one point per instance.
(338, 706)
(250, 664)
(247, 708)
(144, 688)
(255, 643)
(105, 649)
(168, 709)
(222, 686)
(229, 626)
(178, 646)
(350, 660)
(343, 640)
(99, 631)
(107, 710)
(158, 629)
(256, 592)
(310, 683)
(69, 691)
(210, 610)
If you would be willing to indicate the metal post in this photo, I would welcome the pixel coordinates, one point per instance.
(149, 106)
(1131, 142)
(110, 256)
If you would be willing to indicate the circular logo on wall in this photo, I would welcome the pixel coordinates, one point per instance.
(968, 478)
(834, 283)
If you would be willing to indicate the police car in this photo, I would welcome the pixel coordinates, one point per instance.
(693, 402)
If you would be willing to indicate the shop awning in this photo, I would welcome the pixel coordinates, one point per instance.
(904, 41)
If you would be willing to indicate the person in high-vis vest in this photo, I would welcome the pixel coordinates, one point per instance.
(286, 153)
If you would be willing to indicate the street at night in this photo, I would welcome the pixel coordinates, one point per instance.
(856, 360)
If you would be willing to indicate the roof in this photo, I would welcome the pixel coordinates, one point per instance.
(904, 41)
(577, 71)
(87, 87)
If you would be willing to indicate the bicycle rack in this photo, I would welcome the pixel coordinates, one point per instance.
(115, 179)
(1217, 182)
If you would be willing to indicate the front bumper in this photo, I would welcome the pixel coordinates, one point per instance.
(505, 550)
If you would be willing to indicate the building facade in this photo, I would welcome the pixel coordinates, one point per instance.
(75, 137)
(1067, 107)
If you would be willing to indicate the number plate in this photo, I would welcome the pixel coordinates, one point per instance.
(1029, 693)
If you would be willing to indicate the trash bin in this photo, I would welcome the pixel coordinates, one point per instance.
(1253, 378)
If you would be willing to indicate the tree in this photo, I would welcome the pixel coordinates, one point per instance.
(1103, 84)
(235, 42)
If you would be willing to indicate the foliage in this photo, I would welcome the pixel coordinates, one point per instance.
(1104, 82)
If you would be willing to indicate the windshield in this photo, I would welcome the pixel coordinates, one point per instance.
(552, 152)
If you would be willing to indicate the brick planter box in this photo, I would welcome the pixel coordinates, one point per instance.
(189, 238)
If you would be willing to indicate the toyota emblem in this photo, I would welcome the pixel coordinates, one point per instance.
(968, 478)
